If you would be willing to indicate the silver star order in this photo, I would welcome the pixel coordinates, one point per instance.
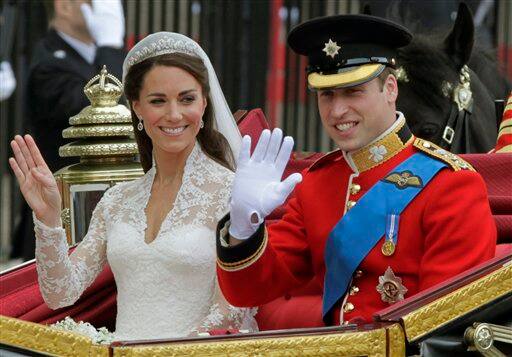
(331, 48)
(390, 287)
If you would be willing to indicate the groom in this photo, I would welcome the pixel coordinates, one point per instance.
(385, 216)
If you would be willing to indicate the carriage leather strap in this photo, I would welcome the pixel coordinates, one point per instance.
(362, 227)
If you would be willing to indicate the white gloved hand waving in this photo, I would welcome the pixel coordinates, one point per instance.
(105, 21)
(7, 80)
(257, 187)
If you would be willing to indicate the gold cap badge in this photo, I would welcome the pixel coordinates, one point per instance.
(331, 48)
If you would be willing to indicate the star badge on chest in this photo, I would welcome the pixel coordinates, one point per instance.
(390, 287)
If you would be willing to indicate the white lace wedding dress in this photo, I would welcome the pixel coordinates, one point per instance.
(166, 288)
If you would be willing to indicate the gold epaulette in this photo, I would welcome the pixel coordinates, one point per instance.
(454, 161)
(326, 158)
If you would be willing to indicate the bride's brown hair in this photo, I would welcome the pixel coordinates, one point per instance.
(213, 143)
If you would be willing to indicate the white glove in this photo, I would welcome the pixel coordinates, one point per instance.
(105, 21)
(7, 80)
(257, 187)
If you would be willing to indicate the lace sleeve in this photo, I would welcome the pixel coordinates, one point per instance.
(62, 278)
(225, 316)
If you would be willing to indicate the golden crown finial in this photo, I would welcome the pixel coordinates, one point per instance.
(104, 128)
(104, 89)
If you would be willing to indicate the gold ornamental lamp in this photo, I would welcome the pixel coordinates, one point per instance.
(107, 150)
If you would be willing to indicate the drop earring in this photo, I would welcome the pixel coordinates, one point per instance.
(201, 124)
(140, 126)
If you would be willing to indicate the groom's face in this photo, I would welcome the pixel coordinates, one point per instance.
(355, 116)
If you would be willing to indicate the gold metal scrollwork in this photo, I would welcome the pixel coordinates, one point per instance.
(65, 217)
(481, 337)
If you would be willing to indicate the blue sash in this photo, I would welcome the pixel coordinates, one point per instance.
(362, 227)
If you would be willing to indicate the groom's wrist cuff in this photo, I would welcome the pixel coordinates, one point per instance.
(245, 253)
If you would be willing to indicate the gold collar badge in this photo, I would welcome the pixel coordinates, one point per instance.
(403, 179)
(331, 48)
(390, 287)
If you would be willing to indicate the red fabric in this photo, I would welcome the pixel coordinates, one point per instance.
(253, 124)
(504, 141)
(20, 297)
(223, 332)
(496, 171)
(299, 308)
(294, 253)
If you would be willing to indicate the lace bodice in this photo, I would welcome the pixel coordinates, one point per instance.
(166, 288)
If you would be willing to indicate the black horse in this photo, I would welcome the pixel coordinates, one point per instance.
(447, 93)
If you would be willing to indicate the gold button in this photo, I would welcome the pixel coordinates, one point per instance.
(348, 307)
(354, 188)
(358, 274)
(350, 204)
(426, 145)
(353, 290)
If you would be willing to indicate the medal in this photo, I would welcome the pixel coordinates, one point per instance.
(388, 247)
(390, 287)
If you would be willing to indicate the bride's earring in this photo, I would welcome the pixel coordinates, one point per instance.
(201, 124)
(140, 126)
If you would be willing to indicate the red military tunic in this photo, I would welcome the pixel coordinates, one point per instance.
(445, 230)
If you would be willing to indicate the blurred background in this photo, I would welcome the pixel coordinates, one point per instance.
(246, 42)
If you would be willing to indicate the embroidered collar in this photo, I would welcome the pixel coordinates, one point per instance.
(385, 146)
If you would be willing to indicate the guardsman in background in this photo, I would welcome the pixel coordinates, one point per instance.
(83, 36)
(382, 218)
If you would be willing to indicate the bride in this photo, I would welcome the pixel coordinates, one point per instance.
(157, 232)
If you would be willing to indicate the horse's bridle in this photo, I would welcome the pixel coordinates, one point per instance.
(461, 108)
(457, 125)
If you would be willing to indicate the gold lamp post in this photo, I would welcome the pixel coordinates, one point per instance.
(107, 151)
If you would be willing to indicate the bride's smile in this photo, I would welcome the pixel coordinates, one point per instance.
(171, 104)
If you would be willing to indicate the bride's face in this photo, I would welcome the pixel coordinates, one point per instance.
(171, 105)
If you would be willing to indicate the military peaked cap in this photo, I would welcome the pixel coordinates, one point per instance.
(347, 50)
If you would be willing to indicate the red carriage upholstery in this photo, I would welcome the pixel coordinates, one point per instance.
(20, 296)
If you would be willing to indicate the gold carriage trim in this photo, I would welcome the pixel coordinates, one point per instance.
(43, 339)
(361, 343)
(244, 263)
(458, 303)
(396, 340)
(454, 161)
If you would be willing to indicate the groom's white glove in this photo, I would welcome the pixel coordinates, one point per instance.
(105, 22)
(257, 187)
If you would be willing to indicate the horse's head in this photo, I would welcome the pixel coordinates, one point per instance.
(437, 89)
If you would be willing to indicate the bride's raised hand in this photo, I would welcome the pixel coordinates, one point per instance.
(36, 181)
